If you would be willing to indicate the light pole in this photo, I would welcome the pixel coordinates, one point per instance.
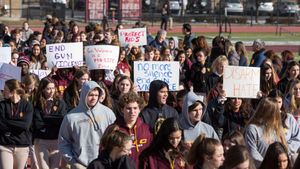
(73, 6)
(277, 11)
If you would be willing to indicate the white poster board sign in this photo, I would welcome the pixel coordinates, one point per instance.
(5, 54)
(241, 82)
(8, 71)
(135, 37)
(102, 56)
(64, 55)
(147, 71)
(40, 73)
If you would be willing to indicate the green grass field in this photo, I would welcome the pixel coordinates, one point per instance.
(250, 37)
(285, 37)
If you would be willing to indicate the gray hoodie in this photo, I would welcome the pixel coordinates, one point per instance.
(191, 131)
(82, 129)
(292, 134)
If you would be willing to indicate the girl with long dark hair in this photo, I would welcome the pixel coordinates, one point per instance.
(167, 149)
(49, 113)
(72, 92)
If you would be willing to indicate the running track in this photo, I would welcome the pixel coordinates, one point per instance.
(210, 28)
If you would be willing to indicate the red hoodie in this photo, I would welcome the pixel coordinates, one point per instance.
(141, 135)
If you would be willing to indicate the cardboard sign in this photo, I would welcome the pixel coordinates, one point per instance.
(8, 71)
(241, 82)
(5, 54)
(102, 56)
(40, 73)
(64, 55)
(135, 37)
(146, 72)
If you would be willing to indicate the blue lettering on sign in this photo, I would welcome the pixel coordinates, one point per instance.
(57, 48)
(50, 48)
(144, 87)
(63, 56)
(61, 64)
(155, 72)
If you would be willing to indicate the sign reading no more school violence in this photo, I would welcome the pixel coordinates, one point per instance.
(64, 55)
(102, 56)
(241, 82)
(146, 72)
(135, 37)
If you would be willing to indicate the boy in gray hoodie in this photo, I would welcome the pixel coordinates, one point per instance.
(193, 109)
(82, 128)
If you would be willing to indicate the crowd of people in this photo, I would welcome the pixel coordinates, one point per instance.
(98, 119)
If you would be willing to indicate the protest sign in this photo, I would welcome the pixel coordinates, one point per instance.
(102, 56)
(241, 82)
(145, 72)
(5, 54)
(64, 55)
(40, 73)
(135, 37)
(8, 71)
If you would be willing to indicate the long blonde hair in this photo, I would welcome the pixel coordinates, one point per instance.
(220, 59)
(293, 105)
(267, 115)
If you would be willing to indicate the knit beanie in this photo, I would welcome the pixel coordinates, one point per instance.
(23, 59)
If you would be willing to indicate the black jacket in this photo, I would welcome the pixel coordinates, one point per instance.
(46, 126)
(104, 162)
(15, 127)
(199, 79)
(212, 80)
(153, 110)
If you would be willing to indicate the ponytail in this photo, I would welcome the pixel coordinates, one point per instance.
(202, 146)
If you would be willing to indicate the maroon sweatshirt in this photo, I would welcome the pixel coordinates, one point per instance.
(158, 160)
(141, 136)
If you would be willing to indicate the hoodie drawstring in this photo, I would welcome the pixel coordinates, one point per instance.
(93, 119)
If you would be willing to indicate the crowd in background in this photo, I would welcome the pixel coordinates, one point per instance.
(79, 118)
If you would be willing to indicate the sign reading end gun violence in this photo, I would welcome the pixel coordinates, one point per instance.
(146, 72)
(241, 82)
(64, 55)
(135, 37)
(102, 56)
